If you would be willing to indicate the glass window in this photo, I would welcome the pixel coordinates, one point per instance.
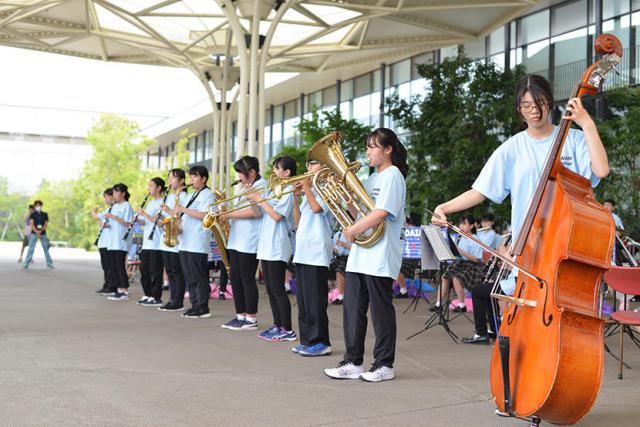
(346, 90)
(277, 137)
(196, 148)
(475, 49)
(345, 110)
(635, 4)
(498, 60)
(362, 109)
(418, 87)
(425, 58)
(448, 52)
(375, 80)
(569, 16)
(611, 8)
(404, 91)
(278, 113)
(290, 130)
(290, 109)
(191, 146)
(208, 145)
(533, 28)
(535, 56)
(375, 109)
(514, 32)
(619, 27)
(315, 99)
(362, 85)
(496, 41)
(329, 96)
(401, 72)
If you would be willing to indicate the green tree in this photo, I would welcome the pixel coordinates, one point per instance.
(620, 133)
(465, 114)
(320, 124)
(13, 207)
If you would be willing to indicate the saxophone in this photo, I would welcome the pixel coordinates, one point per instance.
(172, 224)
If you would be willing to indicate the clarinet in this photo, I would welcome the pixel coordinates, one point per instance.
(106, 221)
(155, 223)
(135, 218)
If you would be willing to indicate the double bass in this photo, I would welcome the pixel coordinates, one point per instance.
(548, 360)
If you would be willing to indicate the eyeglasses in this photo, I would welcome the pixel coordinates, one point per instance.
(527, 107)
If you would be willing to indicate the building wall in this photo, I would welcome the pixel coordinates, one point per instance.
(555, 41)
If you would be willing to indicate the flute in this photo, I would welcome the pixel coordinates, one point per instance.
(135, 218)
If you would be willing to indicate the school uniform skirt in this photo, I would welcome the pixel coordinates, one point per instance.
(471, 274)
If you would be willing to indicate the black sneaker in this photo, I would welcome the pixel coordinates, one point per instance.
(222, 296)
(337, 301)
(191, 312)
(171, 306)
(204, 313)
(402, 296)
(102, 290)
(459, 309)
(435, 308)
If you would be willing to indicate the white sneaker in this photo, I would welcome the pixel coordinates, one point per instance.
(345, 371)
(376, 375)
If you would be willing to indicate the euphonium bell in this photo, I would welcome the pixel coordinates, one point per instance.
(339, 186)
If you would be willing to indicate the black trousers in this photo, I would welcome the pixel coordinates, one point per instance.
(243, 281)
(480, 295)
(171, 261)
(360, 290)
(224, 276)
(117, 262)
(312, 291)
(274, 272)
(196, 275)
(151, 273)
(109, 284)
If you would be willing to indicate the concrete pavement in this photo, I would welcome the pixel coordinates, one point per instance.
(71, 357)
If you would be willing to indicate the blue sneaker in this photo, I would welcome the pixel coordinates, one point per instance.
(119, 296)
(318, 349)
(233, 324)
(284, 335)
(298, 348)
(269, 333)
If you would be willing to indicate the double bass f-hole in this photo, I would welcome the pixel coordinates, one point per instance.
(546, 320)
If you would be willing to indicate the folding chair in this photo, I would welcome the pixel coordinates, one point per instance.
(625, 280)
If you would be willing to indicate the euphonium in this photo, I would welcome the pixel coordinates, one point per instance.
(340, 188)
(172, 224)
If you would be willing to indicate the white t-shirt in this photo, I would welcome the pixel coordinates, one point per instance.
(194, 237)
(117, 231)
(314, 244)
(244, 233)
(388, 190)
(515, 168)
(152, 208)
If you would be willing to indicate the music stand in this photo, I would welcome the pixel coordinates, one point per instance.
(435, 252)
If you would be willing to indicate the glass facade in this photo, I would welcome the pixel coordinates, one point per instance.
(556, 42)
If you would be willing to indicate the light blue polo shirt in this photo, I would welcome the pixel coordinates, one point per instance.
(388, 190)
(470, 247)
(515, 167)
(617, 221)
(117, 231)
(275, 243)
(104, 235)
(171, 198)
(152, 208)
(244, 233)
(489, 238)
(340, 250)
(194, 237)
(314, 245)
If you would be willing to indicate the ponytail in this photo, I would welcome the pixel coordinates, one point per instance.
(387, 138)
(123, 189)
